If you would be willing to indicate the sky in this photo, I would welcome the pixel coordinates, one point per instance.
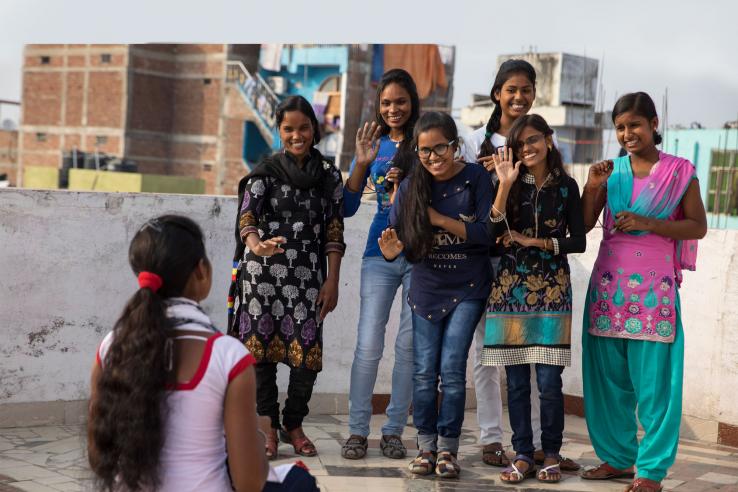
(687, 48)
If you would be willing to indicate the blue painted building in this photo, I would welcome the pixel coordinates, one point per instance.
(700, 146)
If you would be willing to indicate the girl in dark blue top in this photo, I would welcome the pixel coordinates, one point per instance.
(383, 155)
(440, 221)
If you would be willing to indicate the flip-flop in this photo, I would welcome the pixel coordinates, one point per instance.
(514, 473)
(545, 473)
(612, 473)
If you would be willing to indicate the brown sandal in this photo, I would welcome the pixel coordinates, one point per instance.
(300, 442)
(271, 445)
(494, 455)
(603, 471)
(565, 464)
(644, 485)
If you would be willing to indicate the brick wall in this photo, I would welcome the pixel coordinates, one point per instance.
(74, 96)
(161, 105)
(9, 154)
(174, 113)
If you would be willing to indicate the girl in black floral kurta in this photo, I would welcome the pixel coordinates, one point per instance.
(537, 212)
(290, 221)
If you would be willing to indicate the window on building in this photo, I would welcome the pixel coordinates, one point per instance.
(105, 58)
(45, 60)
(207, 81)
(101, 139)
(722, 194)
(207, 167)
(40, 137)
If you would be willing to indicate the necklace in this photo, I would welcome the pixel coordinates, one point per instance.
(396, 142)
(530, 179)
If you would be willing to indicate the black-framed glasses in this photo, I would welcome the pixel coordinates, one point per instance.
(440, 150)
(532, 140)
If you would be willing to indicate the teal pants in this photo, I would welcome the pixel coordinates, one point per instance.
(622, 377)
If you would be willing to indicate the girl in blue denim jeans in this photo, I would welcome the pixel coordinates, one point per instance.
(383, 156)
(440, 220)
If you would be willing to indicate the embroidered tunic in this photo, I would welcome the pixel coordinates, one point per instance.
(276, 316)
(632, 292)
(529, 310)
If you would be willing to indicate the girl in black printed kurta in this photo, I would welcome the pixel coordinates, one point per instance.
(289, 223)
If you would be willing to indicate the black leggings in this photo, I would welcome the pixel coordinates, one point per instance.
(299, 391)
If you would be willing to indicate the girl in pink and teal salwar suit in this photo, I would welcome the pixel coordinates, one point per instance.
(632, 337)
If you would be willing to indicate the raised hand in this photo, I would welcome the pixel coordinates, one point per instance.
(598, 174)
(507, 172)
(367, 143)
(269, 247)
(390, 244)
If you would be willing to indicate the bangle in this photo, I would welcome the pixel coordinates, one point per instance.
(555, 243)
(499, 218)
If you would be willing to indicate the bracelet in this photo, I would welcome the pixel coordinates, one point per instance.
(499, 218)
(555, 243)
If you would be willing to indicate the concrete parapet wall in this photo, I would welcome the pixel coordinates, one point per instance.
(64, 279)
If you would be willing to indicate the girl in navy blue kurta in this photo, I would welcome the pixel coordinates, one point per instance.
(440, 220)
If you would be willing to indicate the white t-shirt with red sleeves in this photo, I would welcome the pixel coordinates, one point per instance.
(194, 454)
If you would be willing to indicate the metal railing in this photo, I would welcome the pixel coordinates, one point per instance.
(256, 92)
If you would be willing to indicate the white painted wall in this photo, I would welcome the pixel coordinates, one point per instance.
(64, 278)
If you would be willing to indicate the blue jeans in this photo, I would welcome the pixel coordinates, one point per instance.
(380, 280)
(552, 407)
(441, 350)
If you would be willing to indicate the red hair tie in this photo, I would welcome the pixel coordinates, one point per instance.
(148, 280)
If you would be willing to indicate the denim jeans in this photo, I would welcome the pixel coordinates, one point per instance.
(552, 407)
(380, 280)
(441, 350)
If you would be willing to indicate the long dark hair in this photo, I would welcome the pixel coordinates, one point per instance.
(415, 230)
(554, 163)
(507, 70)
(405, 158)
(126, 424)
(299, 103)
(639, 103)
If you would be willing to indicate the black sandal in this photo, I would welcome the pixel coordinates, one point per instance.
(392, 447)
(355, 447)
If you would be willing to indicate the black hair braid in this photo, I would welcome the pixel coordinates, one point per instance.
(507, 70)
(127, 416)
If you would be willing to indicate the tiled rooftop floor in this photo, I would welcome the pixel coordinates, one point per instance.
(51, 458)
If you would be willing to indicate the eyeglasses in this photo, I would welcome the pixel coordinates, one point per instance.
(440, 150)
(532, 140)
